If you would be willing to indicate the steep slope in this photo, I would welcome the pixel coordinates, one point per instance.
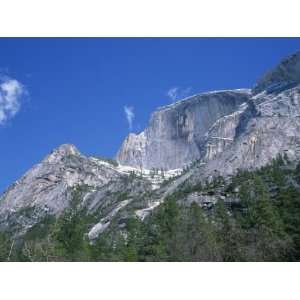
(285, 74)
(259, 130)
(47, 189)
(201, 126)
(176, 134)
(208, 135)
(268, 127)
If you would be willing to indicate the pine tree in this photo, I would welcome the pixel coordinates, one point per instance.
(200, 239)
(229, 235)
(264, 226)
(5, 246)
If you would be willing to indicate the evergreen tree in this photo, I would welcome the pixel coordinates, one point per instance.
(229, 235)
(5, 247)
(69, 236)
(200, 239)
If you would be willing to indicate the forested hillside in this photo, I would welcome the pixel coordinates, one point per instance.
(262, 225)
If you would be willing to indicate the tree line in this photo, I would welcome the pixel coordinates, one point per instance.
(263, 226)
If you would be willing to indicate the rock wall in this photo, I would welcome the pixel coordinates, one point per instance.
(177, 133)
(274, 130)
(286, 74)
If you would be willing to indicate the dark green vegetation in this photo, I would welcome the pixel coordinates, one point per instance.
(264, 225)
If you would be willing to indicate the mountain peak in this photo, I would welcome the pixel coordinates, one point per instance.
(176, 133)
(66, 149)
(61, 151)
(283, 76)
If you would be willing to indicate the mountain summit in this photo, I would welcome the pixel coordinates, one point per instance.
(177, 134)
(284, 75)
(189, 142)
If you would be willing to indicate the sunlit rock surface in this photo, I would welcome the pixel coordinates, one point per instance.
(190, 141)
(177, 133)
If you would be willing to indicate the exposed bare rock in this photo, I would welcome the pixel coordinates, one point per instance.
(273, 131)
(47, 187)
(285, 75)
(213, 134)
(177, 133)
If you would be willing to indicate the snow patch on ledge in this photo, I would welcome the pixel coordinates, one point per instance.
(155, 177)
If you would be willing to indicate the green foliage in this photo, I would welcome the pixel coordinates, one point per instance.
(5, 246)
(297, 173)
(40, 230)
(69, 236)
(263, 226)
(200, 237)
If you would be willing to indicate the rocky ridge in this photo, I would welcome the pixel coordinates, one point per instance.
(209, 135)
(177, 133)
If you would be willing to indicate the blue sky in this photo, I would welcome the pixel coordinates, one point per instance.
(75, 90)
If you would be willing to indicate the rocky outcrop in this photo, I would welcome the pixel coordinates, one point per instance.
(46, 188)
(215, 133)
(177, 133)
(269, 126)
(132, 152)
(285, 75)
(257, 131)
(222, 133)
(226, 130)
(49, 187)
(275, 130)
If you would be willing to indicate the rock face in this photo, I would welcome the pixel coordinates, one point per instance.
(46, 188)
(274, 129)
(46, 184)
(210, 126)
(216, 133)
(177, 133)
(268, 126)
(285, 75)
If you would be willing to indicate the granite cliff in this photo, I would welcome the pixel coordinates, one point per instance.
(225, 130)
(177, 133)
(208, 135)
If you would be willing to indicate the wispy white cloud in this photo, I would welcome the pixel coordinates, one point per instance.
(11, 92)
(177, 93)
(173, 93)
(129, 113)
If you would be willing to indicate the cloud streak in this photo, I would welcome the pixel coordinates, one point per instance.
(173, 93)
(11, 92)
(129, 113)
(177, 93)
